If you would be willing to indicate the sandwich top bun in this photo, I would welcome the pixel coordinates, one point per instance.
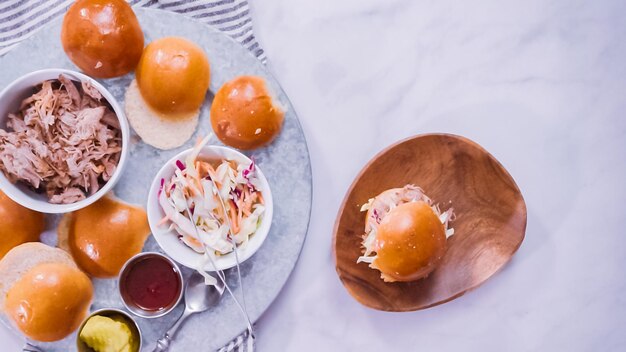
(173, 76)
(42, 291)
(411, 240)
(18, 224)
(244, 113)
(49, 301)
(104, 235)
(23, 258)
(102, 37)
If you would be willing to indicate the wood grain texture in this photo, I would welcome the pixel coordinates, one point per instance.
(454, 171)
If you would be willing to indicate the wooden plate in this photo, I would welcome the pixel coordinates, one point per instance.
(453, 171)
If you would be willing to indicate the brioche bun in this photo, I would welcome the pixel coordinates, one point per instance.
(245, 115)
(173, 76)
(18, 224)
(411, 241)
(102, 37)
(104, 235)
(43, 292)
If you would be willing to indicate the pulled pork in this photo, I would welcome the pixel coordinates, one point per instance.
(65, 141)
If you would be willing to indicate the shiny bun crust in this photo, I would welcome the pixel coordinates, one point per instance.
(245, 115)
(49, 301)
(18, 224)
(173, 76)
(104, 235)
(411, 242)
(102, 37)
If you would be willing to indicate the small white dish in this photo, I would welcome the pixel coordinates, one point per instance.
(10, 99)
(180, 252)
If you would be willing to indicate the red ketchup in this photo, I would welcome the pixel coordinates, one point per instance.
(151, 283)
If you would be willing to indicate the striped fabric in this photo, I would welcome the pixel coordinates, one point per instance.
(20, 19)
(242, 343)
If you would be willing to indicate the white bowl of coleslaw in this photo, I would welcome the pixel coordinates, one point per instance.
(224, 194)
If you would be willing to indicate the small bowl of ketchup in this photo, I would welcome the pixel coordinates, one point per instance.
(151, 284)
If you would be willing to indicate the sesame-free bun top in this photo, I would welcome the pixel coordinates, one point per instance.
(23, 258)
(411, 241)
(244, 113)
(42, 291)
(102, 37)
(104, 235)
(50, 301)
(17, 224)
(173, 76)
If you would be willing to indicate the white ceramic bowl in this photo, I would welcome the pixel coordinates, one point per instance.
(10, 100)
(168, 240)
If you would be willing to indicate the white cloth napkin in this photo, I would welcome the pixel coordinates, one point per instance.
(20, 19)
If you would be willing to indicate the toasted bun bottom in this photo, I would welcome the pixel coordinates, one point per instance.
(155, 129)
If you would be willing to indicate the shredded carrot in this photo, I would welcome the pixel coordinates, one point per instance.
(239, 215)
(233, 218)
(193, 240)
(261, 200)
(203, 168)
(210, 170)
(247, 204)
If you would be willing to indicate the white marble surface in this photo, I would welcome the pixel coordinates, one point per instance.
(540, 84)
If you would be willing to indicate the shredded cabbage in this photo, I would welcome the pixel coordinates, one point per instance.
(193, 187)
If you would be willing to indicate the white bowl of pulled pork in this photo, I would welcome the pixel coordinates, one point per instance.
(63, 140)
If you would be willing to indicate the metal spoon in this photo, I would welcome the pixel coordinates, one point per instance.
(198, 298)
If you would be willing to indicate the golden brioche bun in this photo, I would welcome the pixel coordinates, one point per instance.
(411, 241)
(24, 257)
(49, 301)
(18, 224)
(244, 114)
(102, 37)
(173, 76)
(104, 235)
(42, 291)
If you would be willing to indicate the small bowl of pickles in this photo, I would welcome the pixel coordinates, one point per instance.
(109, 330)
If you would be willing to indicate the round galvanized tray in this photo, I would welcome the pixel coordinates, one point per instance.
(285, 163)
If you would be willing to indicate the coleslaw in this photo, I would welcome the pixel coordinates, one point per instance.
(222, 197)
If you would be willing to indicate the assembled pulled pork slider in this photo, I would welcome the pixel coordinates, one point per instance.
(405, 234)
